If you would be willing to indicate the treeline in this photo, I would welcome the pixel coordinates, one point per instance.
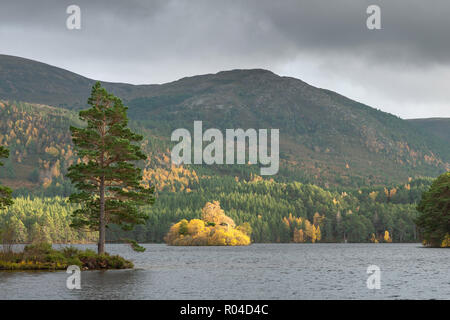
(35, 220)
(361, 215)
(313, 214)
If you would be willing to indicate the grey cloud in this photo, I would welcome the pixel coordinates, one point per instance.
(324, 42)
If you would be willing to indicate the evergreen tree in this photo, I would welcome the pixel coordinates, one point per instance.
(434, 221)
(5, 192)
(108, 181)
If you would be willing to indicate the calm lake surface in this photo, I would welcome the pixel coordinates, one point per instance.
(259, 271)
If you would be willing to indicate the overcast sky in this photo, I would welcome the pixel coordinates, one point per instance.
(404, 68)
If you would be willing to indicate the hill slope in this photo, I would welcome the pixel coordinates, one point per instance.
(324, 135)
(31, 81)
(440, 127)
(41, 150)
(325, 138)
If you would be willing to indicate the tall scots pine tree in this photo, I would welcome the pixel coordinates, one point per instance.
(109, 183)
(5, 192)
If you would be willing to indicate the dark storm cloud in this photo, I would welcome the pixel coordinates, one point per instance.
(415, 30)
(402, 68)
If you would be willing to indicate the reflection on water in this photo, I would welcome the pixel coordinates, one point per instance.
(260, 271)
(121, 284)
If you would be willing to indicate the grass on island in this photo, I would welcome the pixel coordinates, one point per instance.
(43, 257)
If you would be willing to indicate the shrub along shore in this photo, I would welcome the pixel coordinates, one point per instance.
(43, 257)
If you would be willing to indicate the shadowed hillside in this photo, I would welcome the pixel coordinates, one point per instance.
(440, 127)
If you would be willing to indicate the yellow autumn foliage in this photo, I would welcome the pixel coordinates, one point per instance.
(446, 241)
(216, 229)
(374, 239)
(302, 229)
(212, 213)
(387, 237)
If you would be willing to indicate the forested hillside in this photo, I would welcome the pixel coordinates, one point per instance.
(347, 172)
(439, 127)
(39, 143)
(41, 150)
(326, 139)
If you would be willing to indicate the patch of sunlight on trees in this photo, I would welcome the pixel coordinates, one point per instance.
(302, 230)
(214, 229)
(387, 237)
(446, 242)
(35, 220)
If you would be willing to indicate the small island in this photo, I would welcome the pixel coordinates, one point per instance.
(214, 229)
(108, 189)
(42, 256)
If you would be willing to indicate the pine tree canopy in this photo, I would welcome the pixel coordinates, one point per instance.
(107, 169)
(5, 192)
(434, 220)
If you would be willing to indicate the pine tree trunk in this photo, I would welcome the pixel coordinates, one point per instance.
(102, 228)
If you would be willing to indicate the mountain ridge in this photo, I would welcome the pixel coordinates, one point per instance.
(326, 138)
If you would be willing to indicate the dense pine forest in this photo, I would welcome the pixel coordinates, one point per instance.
(272, 209)
(354, 216)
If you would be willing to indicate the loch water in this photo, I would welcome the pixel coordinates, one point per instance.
(259, 271)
